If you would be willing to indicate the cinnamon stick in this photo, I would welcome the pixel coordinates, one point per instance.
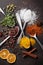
(30, 53)
(32, 50)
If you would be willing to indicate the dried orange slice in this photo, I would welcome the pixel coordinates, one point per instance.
(25, 42)
(11, 58)
(4, 53)
(33, 41)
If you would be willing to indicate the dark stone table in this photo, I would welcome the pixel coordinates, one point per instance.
(36, 5)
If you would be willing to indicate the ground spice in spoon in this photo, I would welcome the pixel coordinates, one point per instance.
(32, 29)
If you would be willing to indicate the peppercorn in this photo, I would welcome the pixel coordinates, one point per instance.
(1, 34)
(11, 41)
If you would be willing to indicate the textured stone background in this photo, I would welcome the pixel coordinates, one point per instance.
(36, 5)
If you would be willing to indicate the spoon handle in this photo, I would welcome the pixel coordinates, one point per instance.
(19, 20)
(21, 34)
(4, 40)
(2, 11)
(39, 43)
(19, 38)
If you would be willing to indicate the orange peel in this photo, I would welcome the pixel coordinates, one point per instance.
(4, 53)
(32, 41)
(11, 58)
(25, 42)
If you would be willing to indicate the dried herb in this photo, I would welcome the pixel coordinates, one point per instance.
(9, 20)
(10, 8)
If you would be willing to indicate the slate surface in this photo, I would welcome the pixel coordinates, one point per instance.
(36, 5)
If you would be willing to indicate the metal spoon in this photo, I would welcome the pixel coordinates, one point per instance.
(31, 36)
(2, 11)
(37, 40)
(27, 19)
(19, 20)
(8, 38)
(19, 38)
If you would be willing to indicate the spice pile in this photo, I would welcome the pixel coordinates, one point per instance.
(27, 15)
(10, 8)
(13, 32)
(32, 29)
(10, 18)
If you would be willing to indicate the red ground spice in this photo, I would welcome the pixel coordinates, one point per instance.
(34, 29)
